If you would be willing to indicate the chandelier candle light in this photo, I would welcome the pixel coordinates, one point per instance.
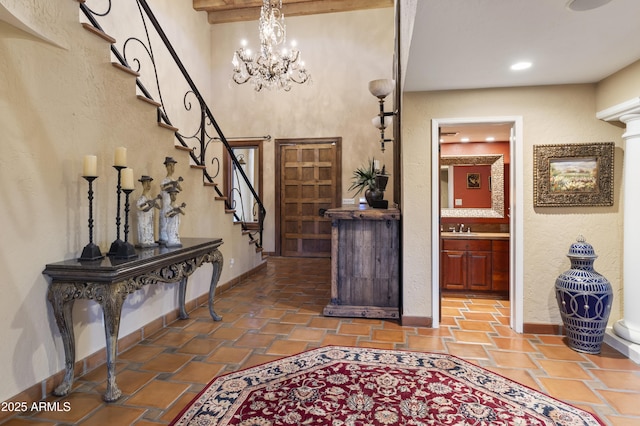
(276, 67)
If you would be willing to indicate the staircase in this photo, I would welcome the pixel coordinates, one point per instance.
(193, 145)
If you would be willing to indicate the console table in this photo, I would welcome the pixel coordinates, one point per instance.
(108, 281)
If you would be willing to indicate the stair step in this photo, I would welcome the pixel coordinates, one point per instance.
(149, 101)
(183, 148)
(221, 198)
(259, 249)
(229, 211)
(252, 241)
(210, 184)
(125, 69)
(197, 166)
(166, 126)
(99, 33)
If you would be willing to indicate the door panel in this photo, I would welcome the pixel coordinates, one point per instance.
(479, 271)
(308, 178)
(453, 270)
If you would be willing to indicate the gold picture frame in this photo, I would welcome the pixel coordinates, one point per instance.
(573, 174)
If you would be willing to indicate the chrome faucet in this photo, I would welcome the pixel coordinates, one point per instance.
(462, 227)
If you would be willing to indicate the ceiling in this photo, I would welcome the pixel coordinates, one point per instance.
(471, 44)
(474, 132)
(468, 44)
(221, 11)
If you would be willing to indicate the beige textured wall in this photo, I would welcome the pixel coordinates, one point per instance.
(56, 105)
(551, 115)
(343, 52)
(619, 87)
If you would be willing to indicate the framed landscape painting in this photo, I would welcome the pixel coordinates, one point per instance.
(573, 175)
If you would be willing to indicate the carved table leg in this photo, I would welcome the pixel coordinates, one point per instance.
(215, 276)
(182, 292)
(61, 299)
(111, 297)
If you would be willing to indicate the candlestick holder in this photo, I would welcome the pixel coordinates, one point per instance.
(115, 246)
(90, 251)
(126, 249)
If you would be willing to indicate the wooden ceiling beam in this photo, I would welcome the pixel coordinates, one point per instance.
(222, 11)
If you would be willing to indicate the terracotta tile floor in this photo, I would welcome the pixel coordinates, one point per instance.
(277, 312)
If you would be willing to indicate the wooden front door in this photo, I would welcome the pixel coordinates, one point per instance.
(308, 179)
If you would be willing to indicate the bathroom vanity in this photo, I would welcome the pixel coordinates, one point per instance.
(474, 262)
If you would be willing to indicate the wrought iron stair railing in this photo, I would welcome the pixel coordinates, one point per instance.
(207, 123)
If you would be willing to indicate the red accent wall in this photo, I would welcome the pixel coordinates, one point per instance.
(477, 198)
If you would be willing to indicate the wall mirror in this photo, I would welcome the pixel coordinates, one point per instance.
(249, 155)
(496, 164)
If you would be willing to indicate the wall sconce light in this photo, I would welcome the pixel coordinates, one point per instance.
(381, 89)
(241, 160)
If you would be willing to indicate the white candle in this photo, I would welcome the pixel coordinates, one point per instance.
(127, 178)
(90, 167)
(120, 157)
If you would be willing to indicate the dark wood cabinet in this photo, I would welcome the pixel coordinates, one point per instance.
(453, 270)
(500, 265)
(466, 265)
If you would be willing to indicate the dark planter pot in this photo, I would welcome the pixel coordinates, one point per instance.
(584, 298)
(373, 195)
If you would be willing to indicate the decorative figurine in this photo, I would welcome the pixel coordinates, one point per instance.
(173, 219)
(167, 183)
(145, 205)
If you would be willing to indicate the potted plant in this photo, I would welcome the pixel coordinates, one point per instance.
(370, 180)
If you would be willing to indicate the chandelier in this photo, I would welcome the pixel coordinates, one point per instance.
(274, 68)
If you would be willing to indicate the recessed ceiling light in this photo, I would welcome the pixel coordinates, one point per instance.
(490, 139)
(464, 139)
(519, 66)
(582, 5)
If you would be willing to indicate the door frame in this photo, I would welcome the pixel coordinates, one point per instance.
(278, 144)
(515, 211)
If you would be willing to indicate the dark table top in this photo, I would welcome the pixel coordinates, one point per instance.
(110, 269)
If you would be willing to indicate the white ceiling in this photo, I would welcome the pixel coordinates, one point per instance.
(466, 44)
(475, 132)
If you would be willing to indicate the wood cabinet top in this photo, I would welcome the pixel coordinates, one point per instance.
(474, 236)
(358, 212)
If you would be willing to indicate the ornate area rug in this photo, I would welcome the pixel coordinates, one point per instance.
(343, 386)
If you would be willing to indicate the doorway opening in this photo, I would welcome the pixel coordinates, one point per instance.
(477, 221)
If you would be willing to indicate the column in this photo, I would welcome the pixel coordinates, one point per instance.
(629, 326)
